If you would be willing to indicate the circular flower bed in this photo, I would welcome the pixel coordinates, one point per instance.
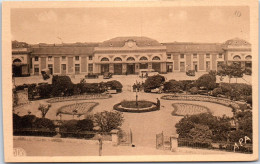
(130, 106)
(77, 109)
(183, 109)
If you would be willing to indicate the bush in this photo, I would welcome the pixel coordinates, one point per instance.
(108, 121)
(62, 86)
(206, 123)
(187, 84)
(16, 122)
(194, 90)
(85, 125)
(216, 92)
(173, 86)
(45, 90)
(207, 81)
(27, 121)
(44, 123)
(69, 126)
(153, 82)
(114, 85)
(249, 100)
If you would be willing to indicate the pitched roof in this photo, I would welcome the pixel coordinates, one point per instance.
(120, 41)
(193, 47)
(63, 50)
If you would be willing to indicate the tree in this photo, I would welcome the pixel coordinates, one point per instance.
(200, 133)
(108, 121)
(231, 70)
(62, 86)
(207, 81)
(173, 86)
(44, 109)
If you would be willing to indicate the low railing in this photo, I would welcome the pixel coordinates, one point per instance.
(225, 146)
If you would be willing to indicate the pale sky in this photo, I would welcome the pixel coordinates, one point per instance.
(182, 24)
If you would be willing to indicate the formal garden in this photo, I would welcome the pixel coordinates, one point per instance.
(80, 110)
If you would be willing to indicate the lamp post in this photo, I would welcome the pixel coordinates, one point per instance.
(136, 100)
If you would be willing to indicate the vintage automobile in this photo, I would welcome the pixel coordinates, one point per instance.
(147, 72)
(190, 73)
(107, 75)
(91, 76)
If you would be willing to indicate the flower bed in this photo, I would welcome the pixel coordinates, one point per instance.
(77, 109)
(132, 104)
(145, 106)
(182, 109)
(79, 97)
(222, 101)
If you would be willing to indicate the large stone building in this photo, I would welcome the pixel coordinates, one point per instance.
(127, 55)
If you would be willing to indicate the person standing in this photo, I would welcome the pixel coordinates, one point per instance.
(158, 104)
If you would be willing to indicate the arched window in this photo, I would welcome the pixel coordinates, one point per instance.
(156, 58)
(17, 61)
(130, 59)
(248, 57)
(104, 59)
(143, 58)
(236, 57)
(117, 59)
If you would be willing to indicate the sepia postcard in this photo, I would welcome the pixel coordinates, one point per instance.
(122, 81)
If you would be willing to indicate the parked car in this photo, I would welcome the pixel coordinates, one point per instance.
(91, 76)
(147, 72)
(190, 73)
(107, 75)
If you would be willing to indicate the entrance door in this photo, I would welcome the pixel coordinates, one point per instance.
(17, 71)
(143, 65)
(207, 65)
(156, 67)
(195, 66)
(63, 69)
(118, 69)
(130, 68)
(169, 67)
(182, 66)
(50, 67)
(104, 68)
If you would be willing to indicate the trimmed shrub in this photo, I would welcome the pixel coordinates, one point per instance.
(16, 122)
(207, 81)
(153, 82)
(216, 92)
(187, 84)
(62, 86)
(194, 90)
(85, 125)
(44, 123)
(69, 126)
(114, 85)
(173, 86)
(45, 90)
(27, 121)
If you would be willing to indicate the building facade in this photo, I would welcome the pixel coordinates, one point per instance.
(127, 55)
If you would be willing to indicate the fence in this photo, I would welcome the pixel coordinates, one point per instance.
(163, 142)
(225, 146)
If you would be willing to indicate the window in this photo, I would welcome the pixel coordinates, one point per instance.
(182, 56)
(169, 56)
(208, 56)
(104, 59)
(90, 57)
(220, 56)
(117, 59)
(77, 68)
(36, 58)
(130, 59)
(49, 58)
(90, 68)
(194, 56)
(76, 57)
(63, 58)
(156, 58)
(143, 58)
